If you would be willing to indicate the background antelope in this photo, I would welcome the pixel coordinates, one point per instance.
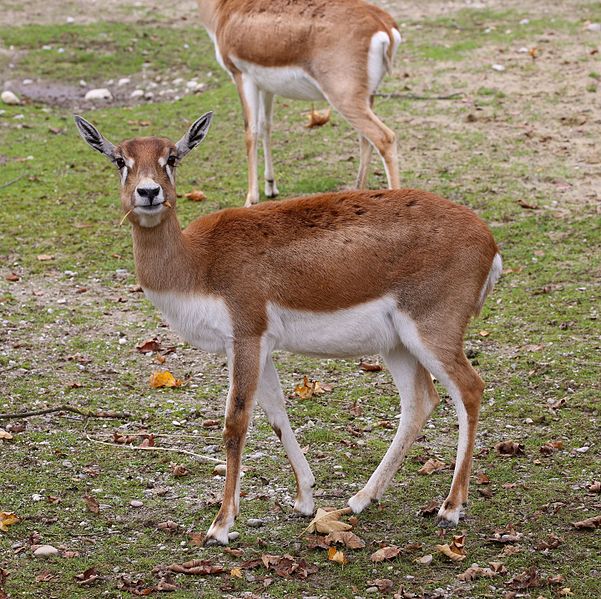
(337, 50)
(398, 273)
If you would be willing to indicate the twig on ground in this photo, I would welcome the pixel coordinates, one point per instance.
(202, 458)
(66, 408)
(415, 97)
(12, 181)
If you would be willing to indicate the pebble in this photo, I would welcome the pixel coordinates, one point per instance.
(594, 27)
(136, 503)
(498, 67)
(372, 590)
(219, 470)
(70, 20)
(149, 95)
(27, 81)
(101, 93)
(255, 522)
(123, 81)
(192, 84)
(137, 93)
(45, 551)
(9, 97)
(232, 536)
(524, 21)
(178, 81)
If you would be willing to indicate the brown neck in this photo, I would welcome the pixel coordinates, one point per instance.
(161, 256)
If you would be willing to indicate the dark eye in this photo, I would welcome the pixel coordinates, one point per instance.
(172, 160)
(120, 162)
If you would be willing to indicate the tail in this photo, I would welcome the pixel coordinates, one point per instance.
(493, 276)
(395, 38)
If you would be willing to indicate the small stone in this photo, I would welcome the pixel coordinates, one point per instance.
(148, 95)
(83, 83)
(178, 81)
(372, 590)
(137, 93)
(498, 67)
(232, 536)
(524, 21)
(136, 503)
(45, 551)
(100, 93)
(27, 81)
(192, 84)
(219, 470)
(70, 20)
(596, 27)
(255, 522)
(9, 97)
(123, 81)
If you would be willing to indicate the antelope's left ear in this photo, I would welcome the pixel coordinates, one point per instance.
(94, 138)
(195, 134)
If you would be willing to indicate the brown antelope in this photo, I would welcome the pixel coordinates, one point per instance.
(337, 50)
(399, 273)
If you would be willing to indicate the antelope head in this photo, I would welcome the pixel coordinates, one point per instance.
(146, 167)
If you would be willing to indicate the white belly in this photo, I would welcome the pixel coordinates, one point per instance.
(203, 321)
(288, 82)
(364, 329)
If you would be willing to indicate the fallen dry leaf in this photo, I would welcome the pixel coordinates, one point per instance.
(595, 487)
(528, 579)
(308, 389)
(7, 519)
(179, 470)
(148, 346)
(195, 196)
(318, 118)
(334, 555)
(475, 571)
(347, 538)
(43, 576)
(211, 423)
(424, 560)
(13, 277)
(87, 577)
(45, 257)
(482, 478)
(385, 553)
(5, 435)
(286, 566)
(384, 585)
(196, 566)
(316, 542)
(369, 367)
(455, 550)
(589, 523)
(148, 441)
(328, 521)
(236, 572)
(431, 466)
(551, 447)
(430, 508)
(509, 448)
(505, 535)
(92, 504)
(168, 526)
(163, 378)
(551, 542)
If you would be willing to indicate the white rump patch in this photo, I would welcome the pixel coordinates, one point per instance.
(203, 321)
(493, 276)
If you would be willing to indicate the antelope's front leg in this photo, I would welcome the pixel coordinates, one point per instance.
(244, 374)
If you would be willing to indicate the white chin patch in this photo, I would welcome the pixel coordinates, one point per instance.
(147, 218)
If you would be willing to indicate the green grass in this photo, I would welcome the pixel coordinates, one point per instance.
(535, 343)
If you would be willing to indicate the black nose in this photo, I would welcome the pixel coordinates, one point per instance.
(148, 192)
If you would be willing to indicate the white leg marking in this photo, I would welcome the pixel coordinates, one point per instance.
(266, 116)
(416, 406)
(251, 98)
(271, 398)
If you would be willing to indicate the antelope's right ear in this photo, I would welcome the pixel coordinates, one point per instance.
(94, 138)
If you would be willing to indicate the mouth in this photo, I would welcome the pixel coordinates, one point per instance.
(149, 208)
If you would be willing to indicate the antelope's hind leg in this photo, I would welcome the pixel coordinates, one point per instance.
(271, 398)
(418, 399)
